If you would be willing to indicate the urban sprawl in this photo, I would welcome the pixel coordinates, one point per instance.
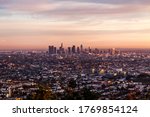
(75, 73)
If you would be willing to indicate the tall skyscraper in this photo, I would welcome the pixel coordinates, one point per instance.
(61, 49)
(69, 50)
(61, 45)
(78, 50)
(113, 51)
(52, 50)
(81, 48)
(55, 50)
(73, 49)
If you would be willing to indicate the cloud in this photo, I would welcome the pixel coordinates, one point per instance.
(24, 32)
(65, 8)
(84, 12)
(112, 1)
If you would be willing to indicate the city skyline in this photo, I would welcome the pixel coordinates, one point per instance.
(94, 23)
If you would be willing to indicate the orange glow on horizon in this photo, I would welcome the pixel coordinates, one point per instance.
(100, 24)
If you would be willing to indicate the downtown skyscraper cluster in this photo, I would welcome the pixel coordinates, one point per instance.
(61, 50)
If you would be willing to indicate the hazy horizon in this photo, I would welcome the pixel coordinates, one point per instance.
(32, 24)
(66, 47)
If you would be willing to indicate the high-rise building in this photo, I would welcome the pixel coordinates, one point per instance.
(73, 49)
(90, 50)
(69, 50)
(55, 50)
(61, 49)
(78, 50)
(96, 51)
(61, 45)
(113, 51)
(52, 50)
(81, 47)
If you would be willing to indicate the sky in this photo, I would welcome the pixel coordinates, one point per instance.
(35, 24)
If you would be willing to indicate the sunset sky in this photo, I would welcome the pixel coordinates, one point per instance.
(35, 24)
